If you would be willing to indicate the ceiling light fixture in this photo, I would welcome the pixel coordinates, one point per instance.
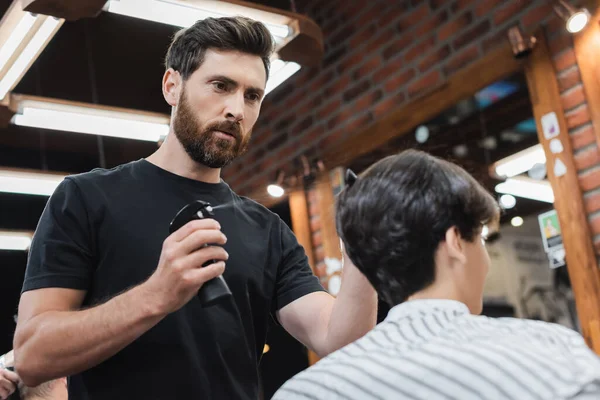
(576, 19)
(519, 163)
(15, 240)
(88, 118)
(29, 182)
(527, 188)
(276, 189)
(23, 36)
(185, 14)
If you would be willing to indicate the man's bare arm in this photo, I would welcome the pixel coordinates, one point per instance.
(55, 339)
(52, 341)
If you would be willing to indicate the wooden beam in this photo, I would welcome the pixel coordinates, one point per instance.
(301, 227)
(498, 64)
(306, 46)
(581, 259)
(301, 223)
(587, 51)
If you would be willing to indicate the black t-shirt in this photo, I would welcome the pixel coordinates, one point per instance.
(103, 231)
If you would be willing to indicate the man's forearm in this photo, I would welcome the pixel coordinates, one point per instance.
(354, 311)
(53, 390)
(55, 344)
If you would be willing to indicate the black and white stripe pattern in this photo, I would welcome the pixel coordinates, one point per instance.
(437, 350)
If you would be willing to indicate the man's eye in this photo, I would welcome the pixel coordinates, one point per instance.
(220, 85)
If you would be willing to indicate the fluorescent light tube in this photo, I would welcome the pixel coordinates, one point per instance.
(10, 240)
(520, 162)
(28, 182)
(81, 118)
(179, 14)
(280, 72)
(27, 56)
(527, 188)
(16, 37)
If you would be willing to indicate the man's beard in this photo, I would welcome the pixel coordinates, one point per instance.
(201, 143)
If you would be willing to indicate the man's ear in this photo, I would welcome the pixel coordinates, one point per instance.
(455, 245)
(171, 86)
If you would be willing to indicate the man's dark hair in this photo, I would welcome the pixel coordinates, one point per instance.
(187, 50)
(395, 215)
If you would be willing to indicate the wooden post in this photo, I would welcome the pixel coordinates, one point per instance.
(301, 228)
(581, 259)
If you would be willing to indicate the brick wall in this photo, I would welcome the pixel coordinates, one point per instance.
(380, 54)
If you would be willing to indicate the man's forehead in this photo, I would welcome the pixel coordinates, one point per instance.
(243, 68)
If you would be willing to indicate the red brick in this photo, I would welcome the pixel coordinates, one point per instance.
(313, 198)
(435, 58)
(460, 5)
(595, 225)
(370, 15)
(592, 203)
(472, 34)
(485, 7)
(315, 224)
(569, 78)
(572, 98)
(490, 43)
(536, 15)
(350, 62)
(357, 124)
(454, 26)
(597, 246)
(565, 60)
(460, 60)
(365, 102)
(424, 83)
(388, 104)
(582, 137)
(432, 24)
(413, 17)
(395, 83)
(509, 11)
(560, 43)
(590, 180)
(329, 109)
(390, 68)
(332, 138)
(322, 78)
(368, 67)
(382, 39)
(392, 15)
(338, 119)
(336, 86)
(587, 158)
(398, 46)
(317, 240)
(578, 117)
(314, 134)
(356, 90)
(364, 35)
(420, 48)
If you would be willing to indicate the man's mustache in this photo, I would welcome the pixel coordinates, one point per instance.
(229, 127)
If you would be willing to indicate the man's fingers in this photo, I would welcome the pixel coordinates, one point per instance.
(192, 226)
(11, 376)
(200, 257)
(202, 275)
(199, 238)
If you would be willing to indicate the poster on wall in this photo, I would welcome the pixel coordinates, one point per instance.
(552, 238)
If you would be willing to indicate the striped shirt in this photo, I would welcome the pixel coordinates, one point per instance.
(435, 349)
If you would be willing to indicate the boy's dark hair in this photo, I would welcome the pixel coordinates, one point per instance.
(187, 50)
(395, 215)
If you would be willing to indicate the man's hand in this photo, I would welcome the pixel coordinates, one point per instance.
(8, 383)
(179, 274)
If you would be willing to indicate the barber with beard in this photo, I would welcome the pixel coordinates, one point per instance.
(110, 295)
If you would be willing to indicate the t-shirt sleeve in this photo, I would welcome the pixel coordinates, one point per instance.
(294, 276)
(61, 252)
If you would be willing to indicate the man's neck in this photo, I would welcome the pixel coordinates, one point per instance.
(172, 157)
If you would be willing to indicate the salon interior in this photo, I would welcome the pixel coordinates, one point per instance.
(509, 90)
